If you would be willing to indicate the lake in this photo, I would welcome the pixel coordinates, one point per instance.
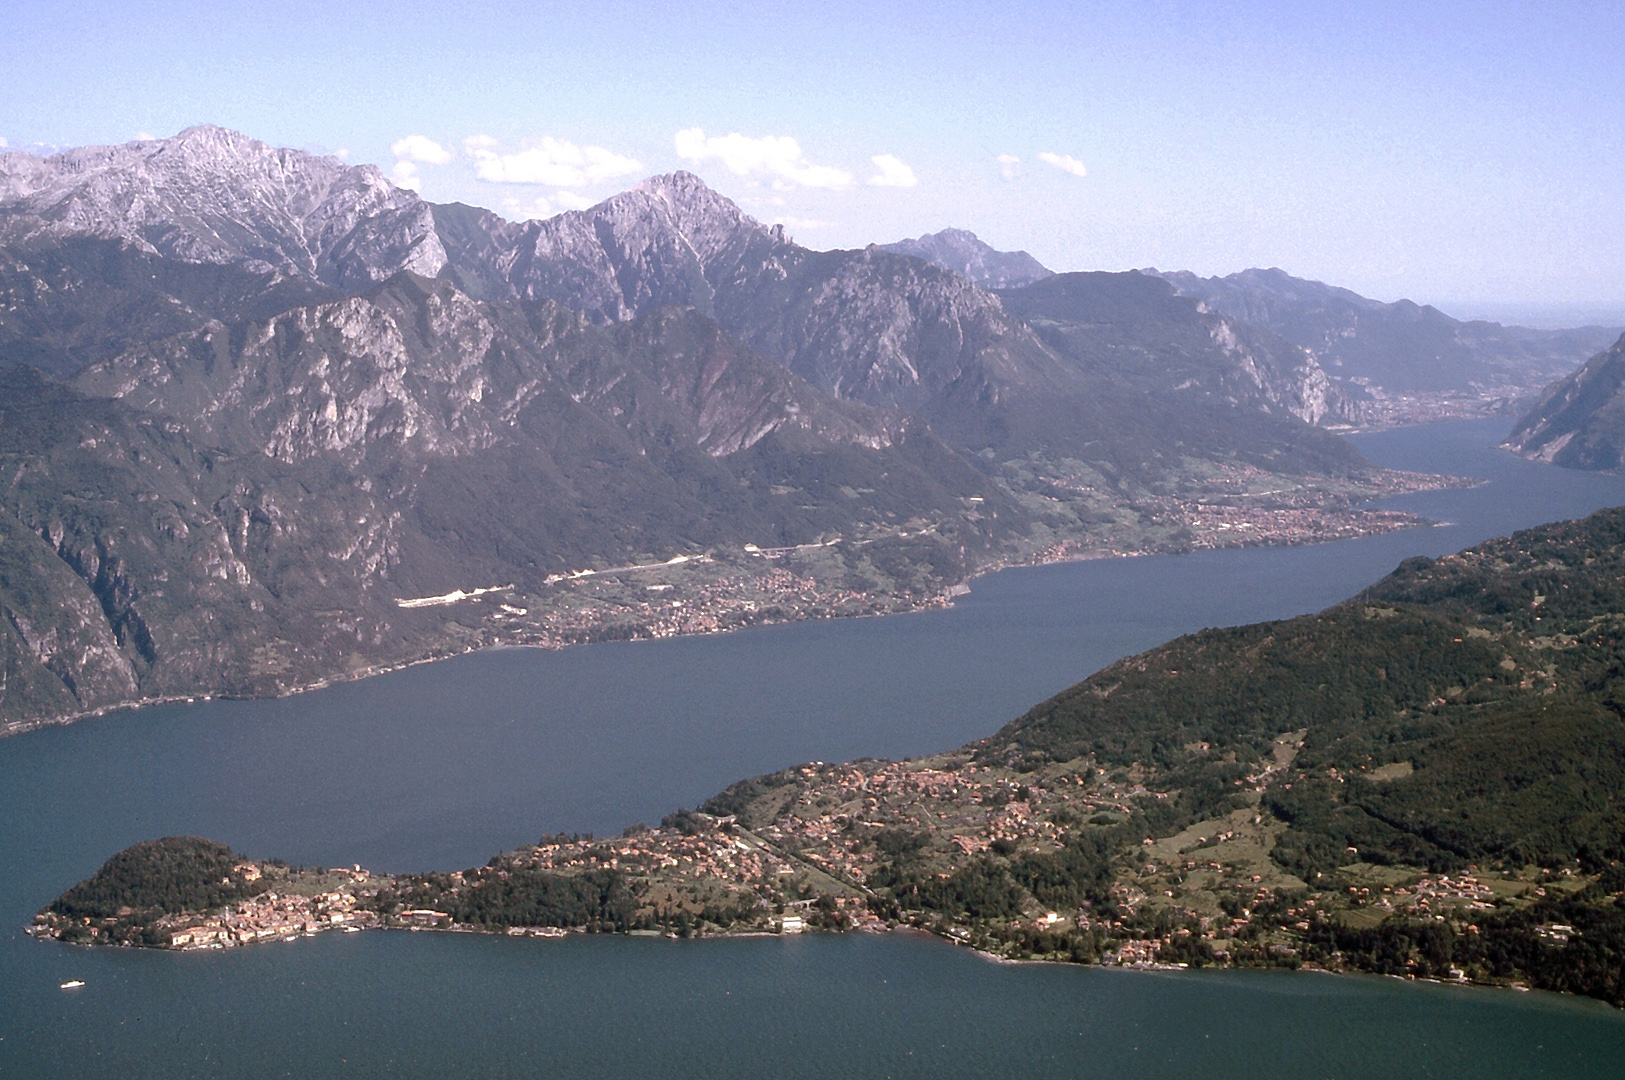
(442, 765)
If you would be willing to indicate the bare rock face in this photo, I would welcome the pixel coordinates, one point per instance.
(418, 369)
(104, 248)
(650, 246)
(889, 330)
(1277, 373)
(963, 252)
(336, 378)
(55, 645)
(868, 326)
(168, 571)
(209, 195)
(1580, 421)
(716, 392)
(1400, 347)
(1139, 329)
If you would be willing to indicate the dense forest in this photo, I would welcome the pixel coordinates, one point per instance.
(158, 877)
(1495, 678)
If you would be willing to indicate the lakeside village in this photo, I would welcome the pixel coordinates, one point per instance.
(898, 568)
(981, 855)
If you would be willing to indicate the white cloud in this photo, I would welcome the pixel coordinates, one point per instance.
(421, 148)
(536, 208)
(405, 175)
(555, 162)
(773, 157)
(3, 143)
(342, 153)
(1064, 162)
(146, 136)
(1009, 166)
(571, 201)
(893, 173)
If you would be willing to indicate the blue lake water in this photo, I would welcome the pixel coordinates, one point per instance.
(441, 766)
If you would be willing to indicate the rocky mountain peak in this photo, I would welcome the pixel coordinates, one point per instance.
(682, 203)
(963, 252)
(211, 195)
(660, 242)
(686, 193)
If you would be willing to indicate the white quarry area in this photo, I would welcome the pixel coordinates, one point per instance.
(455, 596)
(675, 560)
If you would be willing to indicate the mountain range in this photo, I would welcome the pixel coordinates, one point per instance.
(1401, 361)
(268, 420)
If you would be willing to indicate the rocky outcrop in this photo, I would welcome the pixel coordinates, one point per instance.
(1580, 421)
(1138, 330)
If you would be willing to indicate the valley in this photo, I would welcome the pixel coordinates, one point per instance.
(442, 764)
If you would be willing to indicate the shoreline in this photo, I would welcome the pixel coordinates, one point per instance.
(841, 834)
(903, 930)
(1059, 553)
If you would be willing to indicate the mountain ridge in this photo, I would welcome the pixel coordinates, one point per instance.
(1579, 422)
(965, 253)
(301, 211)
(1409, 362)
(296, 458)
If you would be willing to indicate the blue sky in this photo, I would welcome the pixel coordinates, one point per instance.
(1460, 154)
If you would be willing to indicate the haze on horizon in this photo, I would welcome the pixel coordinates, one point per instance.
(1458, 155)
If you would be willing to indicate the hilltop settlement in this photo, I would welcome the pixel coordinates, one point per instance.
(1425, 781)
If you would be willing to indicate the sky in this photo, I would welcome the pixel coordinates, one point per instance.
(1468, 155)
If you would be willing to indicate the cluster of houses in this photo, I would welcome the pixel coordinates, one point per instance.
(696, 606)
(269, 917)
(716, 852)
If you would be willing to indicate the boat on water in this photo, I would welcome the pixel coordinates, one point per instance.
(73, 984)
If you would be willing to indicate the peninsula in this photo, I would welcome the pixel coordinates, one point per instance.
(1427, 780)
